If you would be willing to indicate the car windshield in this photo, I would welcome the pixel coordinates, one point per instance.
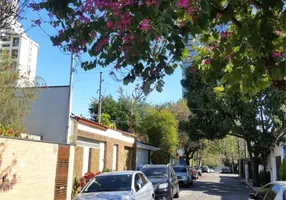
(155, 172)
(109, 183)
(180, 169)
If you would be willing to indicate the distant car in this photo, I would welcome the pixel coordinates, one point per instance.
(164, 179)
(271, 191)
(194, 173)
(183, 175)
(131, 185)
(205, 169)
(199, 170)
(211, 170)
(225, 170)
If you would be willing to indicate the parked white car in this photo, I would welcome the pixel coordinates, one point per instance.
(211, 170)
(271, 191)
(125, 185)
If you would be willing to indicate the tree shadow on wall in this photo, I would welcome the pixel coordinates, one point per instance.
(7, 180)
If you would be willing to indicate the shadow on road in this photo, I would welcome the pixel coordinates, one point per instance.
(228, 187)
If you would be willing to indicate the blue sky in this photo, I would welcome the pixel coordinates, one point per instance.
(53, 66)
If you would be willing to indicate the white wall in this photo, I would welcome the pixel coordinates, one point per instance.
(277, 151)
(108, 133)
(48, 114)
(27, 57)
(141, 157)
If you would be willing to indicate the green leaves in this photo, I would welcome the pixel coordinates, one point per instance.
(205, 6)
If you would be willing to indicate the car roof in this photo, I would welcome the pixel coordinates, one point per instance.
(282, 183)
(118, 173)
(155, 166)
(180, 166)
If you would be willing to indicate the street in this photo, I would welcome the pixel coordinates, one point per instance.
(215, 186)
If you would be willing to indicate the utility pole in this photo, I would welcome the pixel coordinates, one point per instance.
(100, 98)
(69, 134)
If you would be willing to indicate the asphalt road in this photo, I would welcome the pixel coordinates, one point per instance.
(215, 186)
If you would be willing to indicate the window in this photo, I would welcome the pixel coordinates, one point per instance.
(144, 179)
(5, 39)
(261, 194)
(138, 181)
(180, 169)
(15, 42)
(14, 53)
(108, 183)
(155, 172)
(6, 45)
(272, 192)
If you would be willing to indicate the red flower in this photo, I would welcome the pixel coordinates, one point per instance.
(145, 26)
(276, 54)
(193, 70)
(10, 132)
(225, 34)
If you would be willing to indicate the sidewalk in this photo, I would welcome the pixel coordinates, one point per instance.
(249, 184)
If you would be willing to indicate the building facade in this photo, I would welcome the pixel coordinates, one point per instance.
(48, 117)
(24, 52)
(99, 147)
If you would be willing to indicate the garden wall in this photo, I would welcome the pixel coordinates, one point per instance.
(30, 170)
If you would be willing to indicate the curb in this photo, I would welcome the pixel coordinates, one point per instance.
(247, 184)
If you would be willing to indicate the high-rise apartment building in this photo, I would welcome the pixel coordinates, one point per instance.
(187, 63)
(23, 50)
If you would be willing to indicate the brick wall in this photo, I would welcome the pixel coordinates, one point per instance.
(29, 169)
(78, 159)
(108, 151)
(94, 160)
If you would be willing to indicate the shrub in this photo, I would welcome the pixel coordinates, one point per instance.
(106, 170)
(282, 171)
(78, 184)
(264, 177)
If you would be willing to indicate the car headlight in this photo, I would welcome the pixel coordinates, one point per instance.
(162, 186)
(185, 177)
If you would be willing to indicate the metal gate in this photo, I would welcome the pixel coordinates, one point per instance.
(62, 170)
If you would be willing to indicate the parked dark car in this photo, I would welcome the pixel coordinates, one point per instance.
(194, 173)
(183, 175)
(164, 179)
(225, 170)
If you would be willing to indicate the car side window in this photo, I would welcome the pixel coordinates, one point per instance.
(262, 193)
(144, 179)
(273, 192)
(138, 182)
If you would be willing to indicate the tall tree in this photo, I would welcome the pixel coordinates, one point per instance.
(15, 101)
(243, 39)
(161, 129)
(11, 12)
(259, 121)
(189, 144)
(118, 112)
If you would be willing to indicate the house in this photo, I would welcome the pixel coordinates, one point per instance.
(143, 153)
(274, 160)
(99, 147)
(48, 117)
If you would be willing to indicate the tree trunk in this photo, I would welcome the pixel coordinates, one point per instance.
(187, 155)
(254, 165)
(254, 169)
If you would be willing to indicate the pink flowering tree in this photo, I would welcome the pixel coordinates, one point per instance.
(242, 40)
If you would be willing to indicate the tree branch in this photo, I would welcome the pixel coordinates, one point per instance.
(257, 4)
(226, 11)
